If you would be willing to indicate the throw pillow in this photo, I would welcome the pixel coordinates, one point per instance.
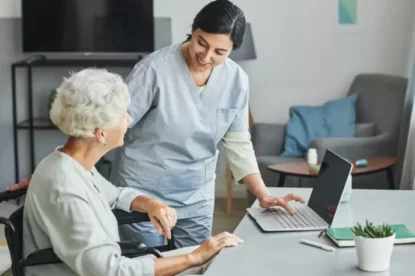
(340, 116)
(333, 119)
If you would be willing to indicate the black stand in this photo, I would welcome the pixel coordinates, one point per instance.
(32, 123)
(34, 59)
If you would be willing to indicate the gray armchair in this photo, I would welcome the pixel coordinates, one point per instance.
(378, 118)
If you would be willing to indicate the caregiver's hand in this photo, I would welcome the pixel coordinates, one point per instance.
(212, 246)
(271, 201)
(162, 216)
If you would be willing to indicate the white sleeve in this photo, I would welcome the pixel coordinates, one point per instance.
(240, 154)
(79, 240)
(118, 197)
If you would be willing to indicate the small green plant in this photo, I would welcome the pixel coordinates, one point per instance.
(373, 232)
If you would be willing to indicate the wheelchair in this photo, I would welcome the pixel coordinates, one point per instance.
(14, 236)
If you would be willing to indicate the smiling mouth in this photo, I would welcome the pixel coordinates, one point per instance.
(201, 63)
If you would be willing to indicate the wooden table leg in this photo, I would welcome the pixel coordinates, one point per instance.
(390, 178)
(281, 181)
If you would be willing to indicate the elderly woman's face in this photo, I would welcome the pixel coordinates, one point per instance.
(115, 136)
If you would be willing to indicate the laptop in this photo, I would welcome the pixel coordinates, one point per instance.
(320, 211)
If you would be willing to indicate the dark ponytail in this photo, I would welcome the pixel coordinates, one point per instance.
(221, 17)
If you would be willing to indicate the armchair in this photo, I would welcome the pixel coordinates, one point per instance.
(14, 236)
(378, 117)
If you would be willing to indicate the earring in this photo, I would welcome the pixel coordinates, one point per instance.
(105, 144)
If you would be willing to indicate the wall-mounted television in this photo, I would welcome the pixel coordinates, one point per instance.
(88, 26)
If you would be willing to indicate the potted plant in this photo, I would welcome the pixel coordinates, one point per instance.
(374, 245)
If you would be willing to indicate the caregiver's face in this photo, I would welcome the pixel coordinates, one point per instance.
(208, 50)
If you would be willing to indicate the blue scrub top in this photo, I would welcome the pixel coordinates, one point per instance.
(170, 151)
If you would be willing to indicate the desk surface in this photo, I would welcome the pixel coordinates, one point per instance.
(282, 253)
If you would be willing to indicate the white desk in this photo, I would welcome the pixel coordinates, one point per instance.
(264, 254)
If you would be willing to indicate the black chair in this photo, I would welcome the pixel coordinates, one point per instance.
(14, 235)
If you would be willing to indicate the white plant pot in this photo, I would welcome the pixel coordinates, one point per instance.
(374, 255)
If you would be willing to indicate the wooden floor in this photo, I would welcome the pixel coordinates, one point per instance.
(221, 221)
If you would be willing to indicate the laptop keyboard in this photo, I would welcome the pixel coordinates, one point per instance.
(299, 220)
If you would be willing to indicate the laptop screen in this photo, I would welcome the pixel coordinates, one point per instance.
(329, 187)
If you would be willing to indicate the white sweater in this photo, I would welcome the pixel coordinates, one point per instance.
(69, 208)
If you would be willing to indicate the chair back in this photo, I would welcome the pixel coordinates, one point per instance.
(380, 100)
(14, 235)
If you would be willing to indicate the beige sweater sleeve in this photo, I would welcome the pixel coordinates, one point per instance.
(240, 154)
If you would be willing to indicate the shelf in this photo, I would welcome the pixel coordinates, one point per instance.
(78, 62)
(38, 123)
(30, 64)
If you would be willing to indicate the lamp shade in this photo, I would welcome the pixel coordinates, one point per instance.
(247, 49)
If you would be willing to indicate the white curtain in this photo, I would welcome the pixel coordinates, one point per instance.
(408, 170)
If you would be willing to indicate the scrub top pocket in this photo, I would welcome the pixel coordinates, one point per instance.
(225, 117)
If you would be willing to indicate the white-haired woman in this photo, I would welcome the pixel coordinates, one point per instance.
(68, 204)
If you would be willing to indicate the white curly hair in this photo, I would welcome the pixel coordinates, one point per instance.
(87, 100)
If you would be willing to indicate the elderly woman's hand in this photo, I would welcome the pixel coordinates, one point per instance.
(162, 216)
(212, 246)
(22, 185)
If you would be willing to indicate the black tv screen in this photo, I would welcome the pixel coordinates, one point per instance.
(105, 26)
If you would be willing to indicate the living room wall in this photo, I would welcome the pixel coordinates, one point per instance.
(412, 48)
(303, 57)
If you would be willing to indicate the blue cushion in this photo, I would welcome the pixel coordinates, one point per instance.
(335, 118)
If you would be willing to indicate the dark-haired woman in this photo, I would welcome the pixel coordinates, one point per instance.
(185, 99)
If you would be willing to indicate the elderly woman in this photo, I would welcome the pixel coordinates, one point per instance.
(68, 204)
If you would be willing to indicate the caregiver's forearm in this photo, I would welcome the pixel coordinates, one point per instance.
(255, 183)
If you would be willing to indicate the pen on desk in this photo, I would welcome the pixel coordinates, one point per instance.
(318, 245)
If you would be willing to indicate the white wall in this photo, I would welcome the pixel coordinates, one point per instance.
(304, 56)
(10, 8)
(411, 59)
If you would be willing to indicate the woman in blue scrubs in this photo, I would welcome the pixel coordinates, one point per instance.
(185, 99)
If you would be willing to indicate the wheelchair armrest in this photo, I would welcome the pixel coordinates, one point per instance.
(133, 249)
(128, 249)
(5, 196)
(128, 218)
(41, 257)
(133, 217)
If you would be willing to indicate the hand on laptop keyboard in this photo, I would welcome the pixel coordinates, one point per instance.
(271, 201)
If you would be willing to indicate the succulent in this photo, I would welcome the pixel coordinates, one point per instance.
(373, 232)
